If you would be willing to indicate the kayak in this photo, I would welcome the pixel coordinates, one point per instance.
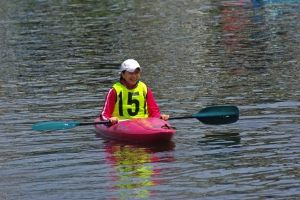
(138, 130)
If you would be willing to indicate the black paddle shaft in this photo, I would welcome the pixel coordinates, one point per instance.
(182, 117)
(213, 120)
(92, 123)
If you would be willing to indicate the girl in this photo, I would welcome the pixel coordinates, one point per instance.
(130, 97)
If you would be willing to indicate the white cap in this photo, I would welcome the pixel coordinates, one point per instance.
(130, 65)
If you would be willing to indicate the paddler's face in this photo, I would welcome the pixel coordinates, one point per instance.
(131, 77)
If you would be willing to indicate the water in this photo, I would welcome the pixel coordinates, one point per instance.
(59, 58)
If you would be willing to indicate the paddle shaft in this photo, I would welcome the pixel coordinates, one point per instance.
(91, 123)
(107, 121)
(183, 117)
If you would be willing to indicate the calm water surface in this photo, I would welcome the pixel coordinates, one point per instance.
(59, 58)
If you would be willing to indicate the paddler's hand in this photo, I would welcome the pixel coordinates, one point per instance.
(164, 117)
(114, 120)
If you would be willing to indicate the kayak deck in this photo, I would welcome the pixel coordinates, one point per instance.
(138, 130)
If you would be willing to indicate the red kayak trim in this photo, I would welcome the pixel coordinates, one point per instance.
(142, 130)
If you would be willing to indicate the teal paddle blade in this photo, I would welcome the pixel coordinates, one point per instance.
(43, 126)
(218, 115)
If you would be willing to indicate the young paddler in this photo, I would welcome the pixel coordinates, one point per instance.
(130, 97)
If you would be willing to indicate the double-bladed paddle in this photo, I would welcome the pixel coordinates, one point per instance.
(214, 115)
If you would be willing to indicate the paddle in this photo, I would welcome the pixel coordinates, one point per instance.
(43, 126)
(209, 115)
(215, 115)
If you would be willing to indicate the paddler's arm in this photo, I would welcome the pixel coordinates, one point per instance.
(109, 106)
(153, 108)
(164, 117)
(114, 120)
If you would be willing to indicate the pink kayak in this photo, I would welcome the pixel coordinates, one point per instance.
(138, 130)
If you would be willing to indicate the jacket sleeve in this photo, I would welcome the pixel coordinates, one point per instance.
(109, 105)
(153, 108)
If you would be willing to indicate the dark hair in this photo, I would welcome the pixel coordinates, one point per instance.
(121, 78)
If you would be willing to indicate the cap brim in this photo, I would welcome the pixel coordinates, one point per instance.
(134, 69)
(130, 70)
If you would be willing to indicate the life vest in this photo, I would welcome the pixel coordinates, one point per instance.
(131, 103)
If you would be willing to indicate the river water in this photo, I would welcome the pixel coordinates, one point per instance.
(60, 57)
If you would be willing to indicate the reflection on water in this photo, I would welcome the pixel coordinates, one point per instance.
(135, 169)
(235, 21)
(221, 140)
